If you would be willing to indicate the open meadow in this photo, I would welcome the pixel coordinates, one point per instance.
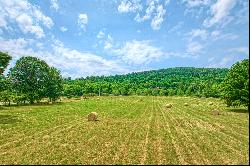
(129, 130)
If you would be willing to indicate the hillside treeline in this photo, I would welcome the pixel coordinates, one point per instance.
(179, 81)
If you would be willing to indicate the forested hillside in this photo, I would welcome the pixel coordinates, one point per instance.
(165, 82)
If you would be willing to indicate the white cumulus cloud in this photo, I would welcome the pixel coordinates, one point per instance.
(242, 50)
(28, 17)
(139, 52)
(198, 33)
(194, 48)
(54, 4)
(158, 18)
(70, 61)
(129, 6)
(83, 20)
(100, 35)
(154, 11)
(220, 12)
(196, 3)
(63, 29)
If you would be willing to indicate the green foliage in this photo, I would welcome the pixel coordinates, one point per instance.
(29, 76)
(5, 90)
(236, 85)
(173, 81)
(34, 78)
(4, 61)
(54, 84)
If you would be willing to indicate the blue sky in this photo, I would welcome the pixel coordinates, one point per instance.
(107, 37)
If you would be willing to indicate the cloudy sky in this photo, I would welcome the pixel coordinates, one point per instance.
(107, 37)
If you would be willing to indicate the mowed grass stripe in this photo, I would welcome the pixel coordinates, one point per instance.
(178, 155)
(119, 134)
(216, 136)
(190, 150)
(233, 142)
(213, 124)
(134, 148)
(123, 148)
(156, 137)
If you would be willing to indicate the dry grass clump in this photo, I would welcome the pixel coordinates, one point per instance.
(84, 97)
(210, 103)
(46, 137)
(92, 116)
(168, 105)
(216, 112)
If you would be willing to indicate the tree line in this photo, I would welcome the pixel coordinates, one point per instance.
(181, 81)
(32, 80)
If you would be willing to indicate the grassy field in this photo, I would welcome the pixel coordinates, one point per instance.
(130, 130)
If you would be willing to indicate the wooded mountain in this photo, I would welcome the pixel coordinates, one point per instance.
(165, 82)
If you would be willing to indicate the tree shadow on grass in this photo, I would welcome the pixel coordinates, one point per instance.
(8, 119)
(238, 110)
(34, 104)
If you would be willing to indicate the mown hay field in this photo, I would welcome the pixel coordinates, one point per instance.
(129, 130)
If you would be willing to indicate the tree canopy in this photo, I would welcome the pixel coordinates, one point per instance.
(236, 85)
(5, 58)
(34, 78)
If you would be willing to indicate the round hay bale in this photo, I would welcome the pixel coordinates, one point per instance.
(185, 104)
(46, 137)
(210, 103)
(216, 112)
(92, 116)
(168, 105)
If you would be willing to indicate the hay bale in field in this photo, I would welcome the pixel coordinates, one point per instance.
(46, 137)
(92, 116)
(216, 112)
(168, 105)
(210, 103)
(185, 104)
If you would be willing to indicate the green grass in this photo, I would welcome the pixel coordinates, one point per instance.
(130, 130)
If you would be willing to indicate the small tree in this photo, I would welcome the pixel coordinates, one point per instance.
(235, 88)
(5, 86)
(4, 61)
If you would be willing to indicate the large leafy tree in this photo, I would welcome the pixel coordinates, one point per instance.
(236, 85)
(34, 78)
